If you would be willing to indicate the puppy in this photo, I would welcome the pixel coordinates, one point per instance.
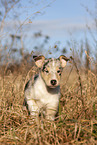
(42, 95)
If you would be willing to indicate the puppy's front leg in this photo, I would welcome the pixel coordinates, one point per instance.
(33, 108)
(50, 114)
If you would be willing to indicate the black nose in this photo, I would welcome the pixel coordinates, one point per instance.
(53, 82)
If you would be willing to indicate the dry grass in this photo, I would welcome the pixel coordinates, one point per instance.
(75, 124)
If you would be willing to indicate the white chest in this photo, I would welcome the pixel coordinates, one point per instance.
(46, 96)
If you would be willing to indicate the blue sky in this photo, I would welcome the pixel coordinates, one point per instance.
(68, 9)
(62, 20)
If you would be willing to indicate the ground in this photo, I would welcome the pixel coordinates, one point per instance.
(76, 122)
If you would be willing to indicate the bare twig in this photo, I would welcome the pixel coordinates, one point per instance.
(80, 83)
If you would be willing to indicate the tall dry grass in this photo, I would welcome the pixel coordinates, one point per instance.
(76, 122)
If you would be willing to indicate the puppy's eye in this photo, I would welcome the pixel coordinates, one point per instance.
(47, 71)
(58, 71)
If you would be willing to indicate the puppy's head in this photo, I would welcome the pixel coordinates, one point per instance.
(51, 69)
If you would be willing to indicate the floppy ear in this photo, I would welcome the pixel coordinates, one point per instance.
(63, 60)
(39, 60)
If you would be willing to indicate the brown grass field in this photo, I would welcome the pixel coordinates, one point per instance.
(76, 122)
